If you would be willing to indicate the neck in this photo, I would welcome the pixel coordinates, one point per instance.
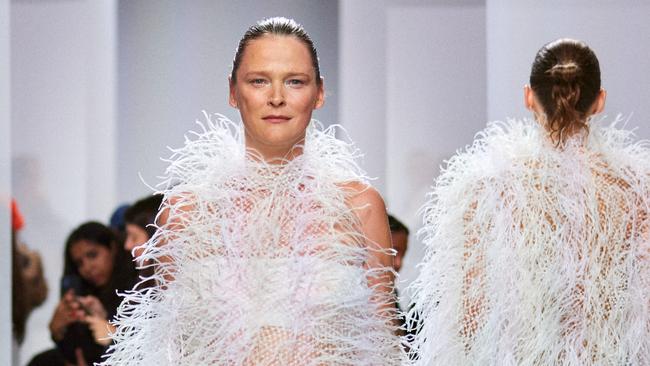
(571, 131)
(275, 154)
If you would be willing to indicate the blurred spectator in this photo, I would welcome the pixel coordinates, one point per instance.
(96, 268)
(140, 227)
(29, 289)
(400, 236)
(116, 222)
(139, 221)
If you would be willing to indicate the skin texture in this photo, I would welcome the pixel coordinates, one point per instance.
(276, 78)
(135, 236)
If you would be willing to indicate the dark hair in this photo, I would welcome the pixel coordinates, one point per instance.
(275, 26)
(19, 306)
(123, 275)
(565, 77)
(396, 226)
(143, 213)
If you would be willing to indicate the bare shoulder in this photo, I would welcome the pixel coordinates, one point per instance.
(177, 207)
(364, 195)
(370, 209)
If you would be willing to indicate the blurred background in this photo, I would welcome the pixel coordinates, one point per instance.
(93, 91)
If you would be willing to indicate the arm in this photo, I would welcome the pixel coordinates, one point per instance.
(373, 220)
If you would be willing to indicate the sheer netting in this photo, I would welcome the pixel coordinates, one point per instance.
(537, 254)
(258, 264)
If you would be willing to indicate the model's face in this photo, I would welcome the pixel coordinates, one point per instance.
(135, 236)
(400, 242)
(276, 92)
(93, 261)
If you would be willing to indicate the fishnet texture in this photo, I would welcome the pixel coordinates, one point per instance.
(264, 264)
(537, 254)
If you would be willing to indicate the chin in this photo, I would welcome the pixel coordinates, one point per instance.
(283, 140)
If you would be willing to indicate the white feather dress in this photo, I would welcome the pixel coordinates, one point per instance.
(263, 264)
(537, 255)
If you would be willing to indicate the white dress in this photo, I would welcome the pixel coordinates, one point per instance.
(537, 254)
(264, 264)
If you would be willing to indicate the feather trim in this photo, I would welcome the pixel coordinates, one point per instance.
(267, 262)
(537, 254)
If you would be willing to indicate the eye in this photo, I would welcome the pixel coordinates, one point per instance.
(257, 82)
(295, 82)
(91, 254)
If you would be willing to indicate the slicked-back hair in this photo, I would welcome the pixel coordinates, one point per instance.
(277, 26)
(565, 77)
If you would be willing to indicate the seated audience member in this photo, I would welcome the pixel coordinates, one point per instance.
(96, 269)
(139, 222)
(116, 222)
(399, 233)
(140, 227)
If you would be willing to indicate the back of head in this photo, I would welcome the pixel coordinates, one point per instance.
(565, 77)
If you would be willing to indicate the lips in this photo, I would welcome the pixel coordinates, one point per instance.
(276, 118)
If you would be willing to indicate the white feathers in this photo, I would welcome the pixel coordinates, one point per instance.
(537, 255)
(258, 264)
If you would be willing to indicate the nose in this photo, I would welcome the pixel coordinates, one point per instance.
(276, 99)
(129, 244)
(84, 269)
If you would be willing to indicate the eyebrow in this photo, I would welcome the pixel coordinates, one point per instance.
(266, 73)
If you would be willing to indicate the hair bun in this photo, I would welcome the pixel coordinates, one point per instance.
(566, 71)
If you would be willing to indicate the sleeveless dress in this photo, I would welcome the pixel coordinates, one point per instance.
(257, 264)
(537, 254)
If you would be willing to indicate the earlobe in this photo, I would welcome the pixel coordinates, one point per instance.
(320, 98)
(231, 93)
(600, 101)
(529, 100)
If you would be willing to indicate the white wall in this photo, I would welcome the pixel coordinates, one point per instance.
(413, 91)
(5, 189)
(174, 61)
(362, 80)
(62, 129)
(435, 102)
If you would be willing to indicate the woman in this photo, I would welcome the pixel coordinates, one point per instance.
(537, 235)
(96, 268)
(271, 248)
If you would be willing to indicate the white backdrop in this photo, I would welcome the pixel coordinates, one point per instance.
(100, 88)
(62, 130)
(5, 246)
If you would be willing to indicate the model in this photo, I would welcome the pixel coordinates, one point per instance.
(272, 249)
(537, 235)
